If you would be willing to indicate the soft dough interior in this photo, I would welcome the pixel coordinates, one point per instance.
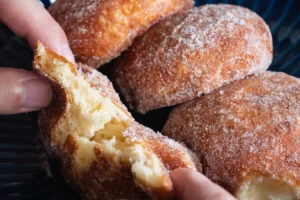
(96, 119)
(266, 188)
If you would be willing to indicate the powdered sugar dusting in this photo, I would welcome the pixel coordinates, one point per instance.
(215, 19)
(251, 129)
(192, 53)
(68, 12)
(172, 154)
(99, 30)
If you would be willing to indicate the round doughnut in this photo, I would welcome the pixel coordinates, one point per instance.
(247, 135)
(100, 30)
(191, 53)
(104, 153)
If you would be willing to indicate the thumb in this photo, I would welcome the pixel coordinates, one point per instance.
(22, 91)
(191, 185)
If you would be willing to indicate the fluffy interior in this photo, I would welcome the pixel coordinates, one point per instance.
(265, 188)
(96, 119)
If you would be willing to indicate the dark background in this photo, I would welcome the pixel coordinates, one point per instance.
(25, 170)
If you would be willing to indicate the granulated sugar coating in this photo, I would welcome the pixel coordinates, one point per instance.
(191, 53)
(103, 152)
(99, 30)
(244, 131)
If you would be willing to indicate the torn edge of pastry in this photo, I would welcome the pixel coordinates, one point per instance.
(96, 119)
(266, 188)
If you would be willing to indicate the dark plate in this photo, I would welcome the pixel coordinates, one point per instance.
(25, 170)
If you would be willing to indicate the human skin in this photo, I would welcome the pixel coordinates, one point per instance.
(25, 91)
(20, 90)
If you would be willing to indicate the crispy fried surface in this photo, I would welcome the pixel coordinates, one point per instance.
(121, 159)
(100, 30)
(247, 135)
(191, 53)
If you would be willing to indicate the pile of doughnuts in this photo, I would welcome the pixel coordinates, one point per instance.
(99, 30)
(192, 53)
(247, 135)
(104, 153)
(242, 121)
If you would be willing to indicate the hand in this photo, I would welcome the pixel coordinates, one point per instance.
(20, 90)
(191, 185)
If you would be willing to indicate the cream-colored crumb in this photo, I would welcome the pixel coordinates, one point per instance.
(266, 188)
(96, 119)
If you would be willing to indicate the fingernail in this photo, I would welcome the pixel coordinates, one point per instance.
(67, 53)
(37, 94)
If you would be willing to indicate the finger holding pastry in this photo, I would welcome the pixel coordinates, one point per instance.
(100, 30)
(235, 133)
(23, 91)
(247, 135)
(104, 152)
(30, 20)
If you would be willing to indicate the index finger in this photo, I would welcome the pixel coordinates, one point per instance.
(28, 19)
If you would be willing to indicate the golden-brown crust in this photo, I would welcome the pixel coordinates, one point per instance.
(118, 184)
(172, 154)
(104, 178)
(177, 156)
(50, 116)
(245, 130)
(67, 156)
(191, 53)
(110, 181)
(100, 30)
